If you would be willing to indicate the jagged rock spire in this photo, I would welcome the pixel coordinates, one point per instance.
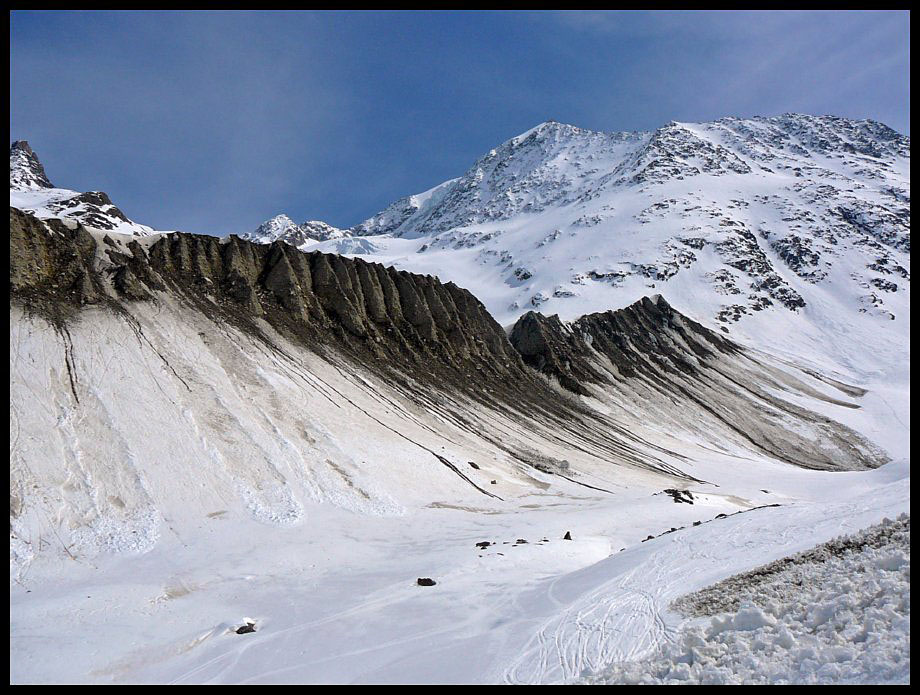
(26, 171)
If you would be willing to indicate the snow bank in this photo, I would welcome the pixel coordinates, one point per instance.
(837, 614)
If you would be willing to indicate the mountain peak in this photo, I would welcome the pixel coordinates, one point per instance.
(22, 145)
(550, 128)
(283, 228)
(32, 192)
(26, 171)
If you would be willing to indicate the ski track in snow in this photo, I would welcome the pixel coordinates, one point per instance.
(626, 616)
(838, 613)
(360, 514)
(302, 494)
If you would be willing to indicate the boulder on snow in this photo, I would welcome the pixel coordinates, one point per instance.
(426, 581)
(680, 496)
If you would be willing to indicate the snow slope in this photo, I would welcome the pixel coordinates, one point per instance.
(174, 477)
(837, 614)
(207, 481)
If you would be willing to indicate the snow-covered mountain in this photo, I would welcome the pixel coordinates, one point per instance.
(32, 191)
(243, 462)
(768, 227)
(233, 462)
(26, 172)
(284, 228)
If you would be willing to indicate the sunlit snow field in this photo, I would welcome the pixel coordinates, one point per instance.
(248, 495)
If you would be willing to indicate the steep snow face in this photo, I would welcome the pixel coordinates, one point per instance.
(404, 211)
(32, 191)
(791, 232)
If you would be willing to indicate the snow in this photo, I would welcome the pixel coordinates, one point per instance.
(840, 614)
(283, 227)
(173, 479)
(31, 191)
(203, 479)
(731, 221)
(58, 203)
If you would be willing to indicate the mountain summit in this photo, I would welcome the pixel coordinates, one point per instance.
(793, 220)
(26, 172)
(282, 227)
(32, 191)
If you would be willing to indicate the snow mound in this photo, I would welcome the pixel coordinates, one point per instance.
(839, 613)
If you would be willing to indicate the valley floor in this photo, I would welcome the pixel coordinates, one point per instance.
(335, 599)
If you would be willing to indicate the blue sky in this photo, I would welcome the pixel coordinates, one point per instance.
(213, 122)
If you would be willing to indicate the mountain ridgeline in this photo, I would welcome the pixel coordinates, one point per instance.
(322, 299)
(793, 221)
(435, 342)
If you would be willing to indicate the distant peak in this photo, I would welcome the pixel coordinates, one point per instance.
(26, 171)
(283, 228)
(22, 146)
(550, 128)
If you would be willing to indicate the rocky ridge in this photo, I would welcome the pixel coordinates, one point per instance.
(426, 336)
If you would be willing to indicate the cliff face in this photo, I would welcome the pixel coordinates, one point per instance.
(364, 305)
(52, 264)
(373, 312)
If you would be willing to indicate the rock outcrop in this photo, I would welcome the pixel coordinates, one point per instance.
(648, 337)
(383, 316)
(676, 372)
(52, 264)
